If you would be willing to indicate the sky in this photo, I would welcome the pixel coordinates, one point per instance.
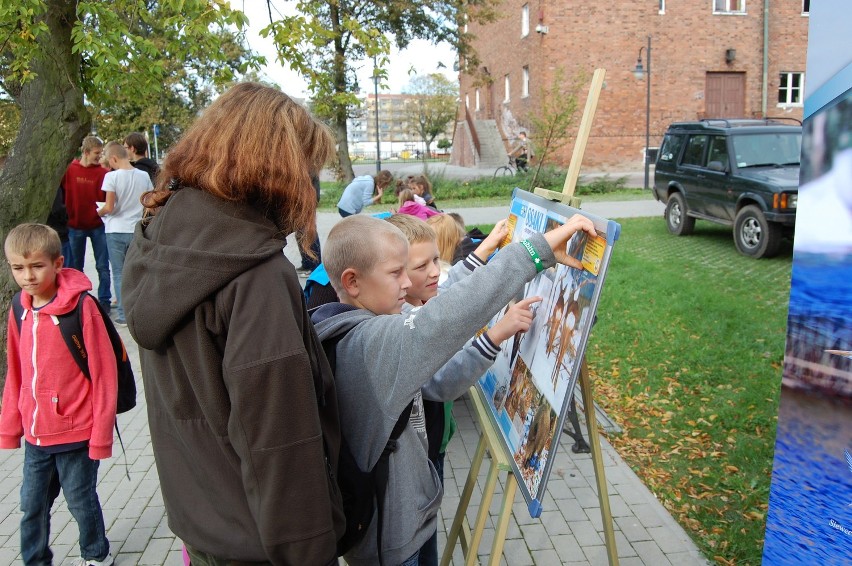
(403, 65)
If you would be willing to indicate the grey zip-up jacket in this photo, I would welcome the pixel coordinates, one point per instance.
(468, 364)
(376, 379)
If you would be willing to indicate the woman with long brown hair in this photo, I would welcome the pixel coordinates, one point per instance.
(232, 367)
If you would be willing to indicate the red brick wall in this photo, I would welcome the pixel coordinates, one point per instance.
(688, 41)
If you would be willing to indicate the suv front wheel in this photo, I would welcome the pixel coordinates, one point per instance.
(754, 236)
(677, 220)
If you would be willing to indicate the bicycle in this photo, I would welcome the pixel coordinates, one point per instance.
(506, 170)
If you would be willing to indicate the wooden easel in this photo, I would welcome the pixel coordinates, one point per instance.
(489, 437)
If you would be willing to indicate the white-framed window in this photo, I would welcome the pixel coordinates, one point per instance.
(806, 7)
(729, 6)
(506, 88)
(525, 20)
(476, 100)
(790, 89)
(662, 6)
(525, 82)
(467, 100)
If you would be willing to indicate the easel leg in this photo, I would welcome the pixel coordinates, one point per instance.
(597, 462)
(484, 506)
(580, 446)
(503, 521)
(464, 501)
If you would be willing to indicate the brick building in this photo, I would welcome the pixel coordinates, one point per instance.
(709, 58)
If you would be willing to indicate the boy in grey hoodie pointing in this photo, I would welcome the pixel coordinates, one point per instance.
(366, 261)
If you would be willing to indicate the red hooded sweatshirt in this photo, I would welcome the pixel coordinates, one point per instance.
(47, 399)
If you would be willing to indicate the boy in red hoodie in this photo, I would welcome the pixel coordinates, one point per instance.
(66, 419)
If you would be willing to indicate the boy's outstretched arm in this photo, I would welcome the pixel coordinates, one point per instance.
(468, 365)
(448, 321)
(558, 238)
(491, 242)
(478, 257)
(518, 318)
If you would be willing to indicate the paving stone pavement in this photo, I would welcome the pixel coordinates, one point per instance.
(568, 532)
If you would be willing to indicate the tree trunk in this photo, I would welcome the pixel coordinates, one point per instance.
(340, 133)
(340, 111)
(53, 123)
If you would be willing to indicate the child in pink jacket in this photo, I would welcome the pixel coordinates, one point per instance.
(407, 205)
(66, 419)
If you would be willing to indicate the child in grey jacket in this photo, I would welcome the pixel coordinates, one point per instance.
(430, 412)
(366, 260)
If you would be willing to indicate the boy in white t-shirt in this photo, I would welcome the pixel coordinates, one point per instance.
(123, 186)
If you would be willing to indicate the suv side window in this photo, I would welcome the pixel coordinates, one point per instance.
(694, 154)
(671, 147)
(718, 151)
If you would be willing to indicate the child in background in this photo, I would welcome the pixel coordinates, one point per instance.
(423, 188)
(377, 375)
(448, 237)
(408, 205)
(363, 191)
(66, 419)
(469, 240)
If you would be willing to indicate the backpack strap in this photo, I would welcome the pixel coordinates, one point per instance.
(17, 310)
(71, 328)
(381, 472)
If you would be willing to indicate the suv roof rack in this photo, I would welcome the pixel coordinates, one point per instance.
(741, 122)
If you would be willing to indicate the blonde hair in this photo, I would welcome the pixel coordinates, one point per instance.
(357, 242)
(28, 239)
(415, 230)
(405, 195)
(449, 234)
(90, 143)
(115, 149)
(253, 145)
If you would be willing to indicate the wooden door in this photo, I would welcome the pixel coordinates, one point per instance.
(724, 95)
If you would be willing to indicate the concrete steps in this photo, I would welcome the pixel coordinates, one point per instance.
(492, 150)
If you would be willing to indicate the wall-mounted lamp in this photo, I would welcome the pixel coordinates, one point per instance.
(730, 55)
(542, 29)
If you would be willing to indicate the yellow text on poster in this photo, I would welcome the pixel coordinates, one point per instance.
(593, 254)
(511, 222)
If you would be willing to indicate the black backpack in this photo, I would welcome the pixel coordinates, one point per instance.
(71, 328)
(362, 492)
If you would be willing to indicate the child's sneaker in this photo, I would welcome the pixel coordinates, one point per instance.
(108, 561)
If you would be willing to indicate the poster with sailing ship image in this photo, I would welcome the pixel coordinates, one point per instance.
(529, 387)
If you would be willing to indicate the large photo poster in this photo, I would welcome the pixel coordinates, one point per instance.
(809, 520)
(529, 387)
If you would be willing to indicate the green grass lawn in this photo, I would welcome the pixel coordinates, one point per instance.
(686, 357)
(687, 354)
